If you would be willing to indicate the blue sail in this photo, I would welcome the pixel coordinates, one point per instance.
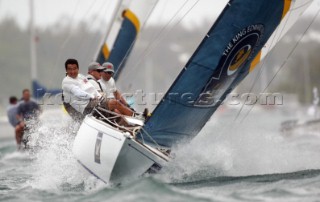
(38, 91)
(124, 41)
(133, 19)
(220, 62)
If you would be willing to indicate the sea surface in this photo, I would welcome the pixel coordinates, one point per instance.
(236, 157)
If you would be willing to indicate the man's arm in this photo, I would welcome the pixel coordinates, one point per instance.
(118, 96)
(76, 91)
(79, 93)
(117, 93)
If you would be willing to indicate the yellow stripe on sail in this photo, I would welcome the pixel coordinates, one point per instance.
(105, 51)
(255, 61)
(133, 18)
(64, 110)
(286, 7)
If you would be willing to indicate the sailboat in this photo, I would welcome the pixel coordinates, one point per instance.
(239, 38)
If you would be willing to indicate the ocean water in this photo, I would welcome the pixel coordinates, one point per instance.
(243, 159)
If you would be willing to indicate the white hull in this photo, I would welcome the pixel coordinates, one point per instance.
(111, 154)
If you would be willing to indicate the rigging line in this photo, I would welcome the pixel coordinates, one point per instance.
(92, 23)
(157, 38)
(148, 16)
(146, 132)
(95, 40)
(286, 60)
(142, 28)
(63, 44)
(77, 49)
(144, 53)
(256, 79)
(69, 35)
(302, 5)
(263, 63)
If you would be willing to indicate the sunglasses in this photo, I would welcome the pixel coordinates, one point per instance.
(109, 73)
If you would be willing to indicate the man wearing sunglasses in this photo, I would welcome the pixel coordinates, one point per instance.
(113, 96)
(94, 74)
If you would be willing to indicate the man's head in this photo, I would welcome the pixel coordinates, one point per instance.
(72, 68)
(26, 95)
(108, 71)
(95, 69)
(13, 100)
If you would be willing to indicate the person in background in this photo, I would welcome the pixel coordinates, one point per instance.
(94, 71)
(27, 110)
(12, 112)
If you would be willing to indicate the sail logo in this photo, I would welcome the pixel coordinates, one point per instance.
(236, 57)
(241, 47)
(240, 57)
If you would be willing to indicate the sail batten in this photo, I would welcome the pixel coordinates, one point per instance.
(224, 57)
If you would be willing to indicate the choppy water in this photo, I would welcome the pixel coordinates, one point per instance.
(229, 161)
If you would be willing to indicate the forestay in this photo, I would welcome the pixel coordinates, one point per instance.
(220, 62)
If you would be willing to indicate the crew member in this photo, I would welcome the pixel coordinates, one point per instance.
(81, 95)
(94, 74)
(115, 100)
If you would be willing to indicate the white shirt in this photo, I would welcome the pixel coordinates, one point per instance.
(78, 92)
(108, 87)
(94, 82)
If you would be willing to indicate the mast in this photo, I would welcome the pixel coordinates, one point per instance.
(306, 77)
(33, 50)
